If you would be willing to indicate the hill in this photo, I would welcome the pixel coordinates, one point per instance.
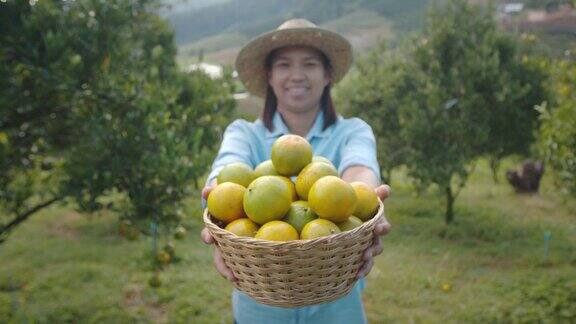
(216, 31)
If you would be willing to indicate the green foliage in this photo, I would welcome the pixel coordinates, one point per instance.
(557, 141)
(479, 96)
(147, 143)
(457, 92)
(518, 88)
(93, 106)
(374, 91)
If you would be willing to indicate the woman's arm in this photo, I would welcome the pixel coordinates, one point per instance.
(362, 174)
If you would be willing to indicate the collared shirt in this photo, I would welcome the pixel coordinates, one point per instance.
(349, 142)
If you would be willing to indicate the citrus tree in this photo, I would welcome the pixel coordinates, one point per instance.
(477, 95)
(557, 134)
(94, 109)
(456, 92)
(513, 121)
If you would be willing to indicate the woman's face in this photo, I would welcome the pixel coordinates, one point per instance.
(298, 78)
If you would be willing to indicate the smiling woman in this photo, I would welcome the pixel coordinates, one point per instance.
(293, 68)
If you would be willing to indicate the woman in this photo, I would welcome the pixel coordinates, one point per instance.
(293, 68)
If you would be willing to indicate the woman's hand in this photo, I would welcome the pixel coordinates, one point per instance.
(380, 229)
(208, 239)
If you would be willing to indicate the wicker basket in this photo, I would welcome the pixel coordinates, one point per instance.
(295, 273)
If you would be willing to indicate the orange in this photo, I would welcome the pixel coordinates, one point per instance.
(225, 202)
(265, 168)
(351, 223)
(332, 198)
(319, 228)
(367, 201)
(318, 158)
(170, 249)
(290, 154)
(243, 227)
(291, 186)
(180, 232)
(277, 231)
(239, 173)
(163, 257)
(266, 199)
(299, 214)
(310, 174)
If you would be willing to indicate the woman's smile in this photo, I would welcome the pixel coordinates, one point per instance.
(298, 91)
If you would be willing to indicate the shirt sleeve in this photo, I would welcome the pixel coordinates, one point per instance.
(360, 148)
(235, 148)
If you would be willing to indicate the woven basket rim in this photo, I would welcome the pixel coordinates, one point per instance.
(379, 216)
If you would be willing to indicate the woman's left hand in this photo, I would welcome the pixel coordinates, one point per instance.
(380, 229)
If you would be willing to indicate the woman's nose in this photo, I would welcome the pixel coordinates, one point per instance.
(297, 74)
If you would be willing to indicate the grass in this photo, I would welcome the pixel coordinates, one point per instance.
(486, 267)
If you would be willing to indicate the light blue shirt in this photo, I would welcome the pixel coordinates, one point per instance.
(349, 142)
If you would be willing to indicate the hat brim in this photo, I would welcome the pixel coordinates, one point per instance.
(250, 62)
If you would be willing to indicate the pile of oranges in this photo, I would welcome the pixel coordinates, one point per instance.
(266, 204)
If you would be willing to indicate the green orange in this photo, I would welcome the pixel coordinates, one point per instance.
(238, 173)
(243, 227)
(300, 214)
(266, 199)
(277, 231)
(332, 198)
(265, 168)
(310, 174)
(318, 158)
(225, 201)
(318, 228)
(290, 154)
(351, 223)
(291, 186)
(367, 201)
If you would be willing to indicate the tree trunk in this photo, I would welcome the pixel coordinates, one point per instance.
(449, 216)
(494, 166)
(20, 218)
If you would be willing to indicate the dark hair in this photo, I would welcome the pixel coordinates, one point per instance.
(326, 104)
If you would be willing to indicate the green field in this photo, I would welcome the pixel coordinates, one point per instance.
(489, 266)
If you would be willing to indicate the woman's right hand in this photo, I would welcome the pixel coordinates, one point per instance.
(208, 239)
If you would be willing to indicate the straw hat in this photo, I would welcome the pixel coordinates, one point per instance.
(250, 62)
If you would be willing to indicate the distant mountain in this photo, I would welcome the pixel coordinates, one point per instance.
(216, 30)
(174, 7)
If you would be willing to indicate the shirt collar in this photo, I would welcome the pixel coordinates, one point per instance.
(280, 127)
